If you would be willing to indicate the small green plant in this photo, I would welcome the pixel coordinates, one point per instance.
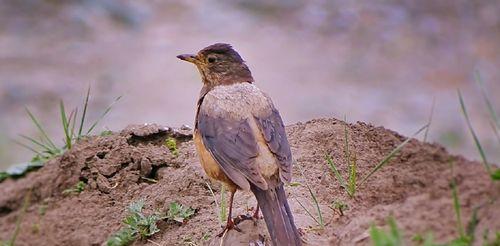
(76, 189)
(339, 206)
(393, 237)
(319, 218)
(171, 144)
(351, 183)
(178, 213)
(44, 148)
(136, 225)
(350, 186)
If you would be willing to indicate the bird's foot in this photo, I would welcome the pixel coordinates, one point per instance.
(230, 225)
(243, 217)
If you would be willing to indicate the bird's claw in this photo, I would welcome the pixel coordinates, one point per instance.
(231, 225)
(244, 217)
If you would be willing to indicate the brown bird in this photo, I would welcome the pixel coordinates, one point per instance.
(241, 139)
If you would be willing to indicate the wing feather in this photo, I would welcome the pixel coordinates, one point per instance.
(225, 120)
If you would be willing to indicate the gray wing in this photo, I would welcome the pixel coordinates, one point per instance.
(233, 145)
(229, 119)
(273, 130)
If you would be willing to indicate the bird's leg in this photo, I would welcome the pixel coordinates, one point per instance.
(230, 223)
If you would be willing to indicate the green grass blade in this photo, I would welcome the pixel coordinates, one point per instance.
(396, 234)
(102, 115)
(335, 171)
(39, 126)
(34, 141)
(491, 110)
(84, 114)
(472, 225)
(430, 119)
(65, 124)
(347, 153)
(456, 207)
(316, 204)
(473, 133)
(351, 185)
(27, 147)
(388, 157)
(315, 200)
(74, 113)
(380, 237)
(308, 212)
(352, 178)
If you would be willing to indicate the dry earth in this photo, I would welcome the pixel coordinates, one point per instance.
(413, 187)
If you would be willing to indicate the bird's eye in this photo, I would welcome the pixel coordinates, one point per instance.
(211, 59)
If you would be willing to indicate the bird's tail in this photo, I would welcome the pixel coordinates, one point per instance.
(277, 214)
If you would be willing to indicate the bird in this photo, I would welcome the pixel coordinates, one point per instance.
(241, 140)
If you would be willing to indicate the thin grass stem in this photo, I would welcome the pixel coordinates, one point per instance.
(388, 157)
(84, 114)
(315, 200)
(65, 125)
(102, 115)
(42, 131)
(487, 100)
(335, 171)
(430, 119)
(473, 133)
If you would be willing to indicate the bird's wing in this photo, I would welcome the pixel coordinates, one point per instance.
(273, 130)
(229, 121)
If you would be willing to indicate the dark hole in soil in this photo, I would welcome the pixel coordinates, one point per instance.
(124, 165)
(155, 139)
(101, 155)
(5, 210)
(83, 179)
(154, 172)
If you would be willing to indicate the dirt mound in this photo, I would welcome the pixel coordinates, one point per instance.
(118, 169)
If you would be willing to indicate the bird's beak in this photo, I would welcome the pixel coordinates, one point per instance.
(188, 57)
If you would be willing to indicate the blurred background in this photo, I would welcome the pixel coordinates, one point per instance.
(381, 62)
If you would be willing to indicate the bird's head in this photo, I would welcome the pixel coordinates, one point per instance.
(219, 64)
